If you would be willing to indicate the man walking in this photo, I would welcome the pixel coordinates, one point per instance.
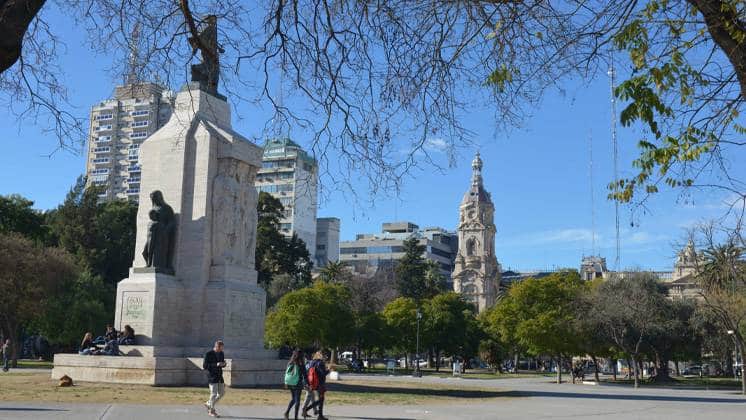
(6, 354)
(214, 363)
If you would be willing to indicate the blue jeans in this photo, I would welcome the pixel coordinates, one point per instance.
(6, 362)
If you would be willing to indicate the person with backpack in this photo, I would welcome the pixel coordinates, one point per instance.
(317, 382)
(214, 363)
(310, 397)
(295, 379)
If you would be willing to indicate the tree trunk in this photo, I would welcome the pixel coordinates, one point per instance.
(559, 370)
(743, 371)
(429, 358)
(595, 368)
(333, 357)
(635, 369)
(406, 361)
(437, 361)
(676, 365)
(15, 18)
(662, 373)
(614, 363)
(724, 27)
(515, 363)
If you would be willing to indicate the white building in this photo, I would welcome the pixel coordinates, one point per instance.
(117, 128)
(291, 175)
(476, 274)
(327, 240)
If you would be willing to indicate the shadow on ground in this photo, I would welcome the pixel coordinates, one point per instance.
(454, 393)
(30, 409)
(627, 397)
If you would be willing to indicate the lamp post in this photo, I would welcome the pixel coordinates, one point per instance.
(417, 372)
(735, 354)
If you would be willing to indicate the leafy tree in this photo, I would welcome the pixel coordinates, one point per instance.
(449, 325)
(411, 271)
(631, 309)
(335, 272)
(435, 281)
(275, 254)
(100, 234)
(400, 316)
(316, 316)
(18, 215)
(676, 337)
(78, 306)
(29, 273)
(539, 314)
(370, 332)
(723, 283)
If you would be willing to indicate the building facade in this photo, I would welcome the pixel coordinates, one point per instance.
(290, 174)
(380, 251)
(476, 273)
(327, 240)
(118, 126)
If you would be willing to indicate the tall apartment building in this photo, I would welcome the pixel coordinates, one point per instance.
(327, 240)
(117, 128)
(369, 252)
(291, 175)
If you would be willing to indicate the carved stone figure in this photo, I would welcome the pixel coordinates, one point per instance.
(159, 248)
(208, 71)
(227, 217)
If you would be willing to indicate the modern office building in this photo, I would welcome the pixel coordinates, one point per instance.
(291, 175)
(369, 252)
(327, 240)
(117, 128)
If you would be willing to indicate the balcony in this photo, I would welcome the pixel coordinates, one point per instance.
(134, 169)
(140, 113)
(107, 127)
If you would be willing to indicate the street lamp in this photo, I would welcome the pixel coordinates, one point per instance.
(735, 354)
(417, 372)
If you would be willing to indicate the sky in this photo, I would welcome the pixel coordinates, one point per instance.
(538, 175)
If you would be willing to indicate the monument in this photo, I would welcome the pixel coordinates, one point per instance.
(476, 273)
(193, 279)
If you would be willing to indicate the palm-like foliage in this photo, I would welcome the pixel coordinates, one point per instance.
(724, 268)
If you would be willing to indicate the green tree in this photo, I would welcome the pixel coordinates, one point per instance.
(317, 316)
(449, 325)
(416, 277)
(29, 274)
(18, 215)
(539, 315)
(400, 316)
(676, 337)
(335, 272)
(723, 283)
(79, 305)
(631, 309)
(275, 254)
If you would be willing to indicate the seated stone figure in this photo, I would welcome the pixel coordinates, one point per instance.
(158, 252)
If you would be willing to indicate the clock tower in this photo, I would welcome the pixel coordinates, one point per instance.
(476, 274)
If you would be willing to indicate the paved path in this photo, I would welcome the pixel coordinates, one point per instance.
(530, 398)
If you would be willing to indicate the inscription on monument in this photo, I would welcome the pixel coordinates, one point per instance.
(135, 309)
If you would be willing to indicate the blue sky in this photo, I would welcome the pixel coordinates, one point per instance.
(538, 175)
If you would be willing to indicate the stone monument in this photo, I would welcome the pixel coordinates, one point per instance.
(476, 273)
(193, 279)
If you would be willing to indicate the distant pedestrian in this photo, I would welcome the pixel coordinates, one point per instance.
(6, 354)
(295, 379)
(214, 363)
(317, 382)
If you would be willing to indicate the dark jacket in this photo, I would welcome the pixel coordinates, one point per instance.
(210, 364)
(111, 335)
(87, 344)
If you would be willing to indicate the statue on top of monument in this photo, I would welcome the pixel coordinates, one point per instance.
(206, 41)
(159, 248)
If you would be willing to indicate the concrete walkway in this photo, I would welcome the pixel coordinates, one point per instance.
(520, 398)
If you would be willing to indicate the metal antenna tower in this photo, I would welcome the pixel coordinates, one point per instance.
(593, 200)
(612, 77)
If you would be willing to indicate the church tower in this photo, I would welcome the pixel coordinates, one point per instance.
(476, 274)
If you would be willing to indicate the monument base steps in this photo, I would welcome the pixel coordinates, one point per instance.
(165, 371)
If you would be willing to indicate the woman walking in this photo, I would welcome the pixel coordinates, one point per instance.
(295, 375)
(317, 382)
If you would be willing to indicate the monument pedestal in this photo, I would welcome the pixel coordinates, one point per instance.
(205, 173)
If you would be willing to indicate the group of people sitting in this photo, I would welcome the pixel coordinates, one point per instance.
(110, 342)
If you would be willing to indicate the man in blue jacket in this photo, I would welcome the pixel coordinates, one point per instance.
(214, 363)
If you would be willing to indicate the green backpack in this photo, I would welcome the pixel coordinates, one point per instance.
(292, 376)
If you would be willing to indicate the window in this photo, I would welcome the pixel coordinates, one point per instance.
(275, 188)
(278, 164)
(321, 247)
(286, 226)
(105, 149)
(139, 134)
(140, 112)
(134, 168)
(353, 250)
(105, 127)
(101, 160)
(143, 123)
(99, 179)
(100, 171)
(104, 117)
(133, 180)
(131, 191)
(134, 146)
(103, 139)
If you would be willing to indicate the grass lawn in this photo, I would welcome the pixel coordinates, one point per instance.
(680, 381)
(34, 364)
(32, 386)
